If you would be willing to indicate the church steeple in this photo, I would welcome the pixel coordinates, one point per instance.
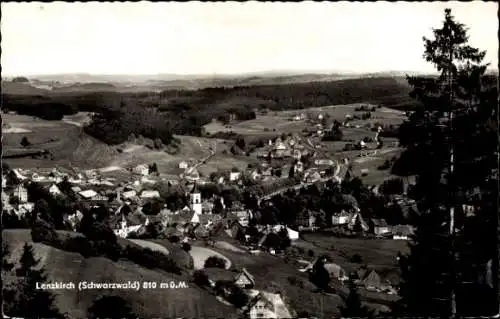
(195, 200)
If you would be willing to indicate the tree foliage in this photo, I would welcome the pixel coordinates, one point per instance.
(431, 273)
(353, 308)
(22, 299)
(112, 307)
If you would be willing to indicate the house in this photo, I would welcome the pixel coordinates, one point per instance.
(37, 178)
(296, 154)
(292, 234)
(244, 280)
(54, 190)
(313, 177)
(379, 226)
(76, 189)
(73, 220)
(88, 194)
(306, 220)
(21, 193)
(324, 162)
(126, 224)
(243, 216)
(148, 194)
(357, 219)
(128, 194)
(233, 176)
(183, 165)
(141, 169)
(371, 280)
(208, 220)
(266, 305)
(335, 271)
(402, 232)
(341, 218)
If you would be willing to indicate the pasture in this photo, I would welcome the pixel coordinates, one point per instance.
(379, 254)
(262, 126)
(201, 254)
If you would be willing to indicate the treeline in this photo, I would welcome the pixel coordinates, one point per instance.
(185, 112)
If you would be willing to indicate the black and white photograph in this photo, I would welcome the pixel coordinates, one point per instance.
(250, 160)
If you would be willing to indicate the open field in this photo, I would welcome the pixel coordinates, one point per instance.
(201, 254)
(378, 254)
(63, 266)
(71, 147)
(262, 126)
(150, 245)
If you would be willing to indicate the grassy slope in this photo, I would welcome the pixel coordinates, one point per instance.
(270, 271)
(377, 254)
(65, 266)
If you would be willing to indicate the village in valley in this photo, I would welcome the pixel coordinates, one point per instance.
(194, 186)
(230, 209)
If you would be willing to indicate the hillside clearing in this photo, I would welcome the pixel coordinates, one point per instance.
(64, 266)
(201, 254)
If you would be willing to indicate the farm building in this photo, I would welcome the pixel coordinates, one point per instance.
(54, 190)
(402, 232)
(141, 169)
(266, 305)
(379, 226)
(341, 218)
(335, 271)
(233, 176)
(147, 194)
(244, 280)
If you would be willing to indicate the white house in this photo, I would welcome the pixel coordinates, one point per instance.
(87, 194)
(150, 194)
(341, 218)
(37, 178)
(54, 190)
(141, 169)
(124, 230)
(379, 226)
(266, 305)
(129, 194)
(183, 165)
(233, 176)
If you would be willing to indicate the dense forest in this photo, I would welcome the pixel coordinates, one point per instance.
(185, 112)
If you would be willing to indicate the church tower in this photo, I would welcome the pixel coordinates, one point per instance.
(195, 200)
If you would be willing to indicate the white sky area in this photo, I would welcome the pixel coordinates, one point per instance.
(230, 37)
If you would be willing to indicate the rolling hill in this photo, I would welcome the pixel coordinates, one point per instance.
(190, 302)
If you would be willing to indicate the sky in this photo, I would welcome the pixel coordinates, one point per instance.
(229, 37)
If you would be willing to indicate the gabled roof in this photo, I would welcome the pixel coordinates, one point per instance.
(244, 272)
(372, 279)
(261, 297)
(379, 222)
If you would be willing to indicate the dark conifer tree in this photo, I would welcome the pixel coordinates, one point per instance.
(450, 142)
(353, 307)
(23, 299)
